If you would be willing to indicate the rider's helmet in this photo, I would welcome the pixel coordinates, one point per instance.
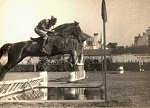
(53, 20)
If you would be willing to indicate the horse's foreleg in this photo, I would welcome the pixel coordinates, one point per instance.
(80, 57)
(74, 57)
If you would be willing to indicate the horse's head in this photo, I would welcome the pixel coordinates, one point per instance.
(84, 36)
(79, 33)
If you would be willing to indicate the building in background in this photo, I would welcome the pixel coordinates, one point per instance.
(142, 40)
(95, 42)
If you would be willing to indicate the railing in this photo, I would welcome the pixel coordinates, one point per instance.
(27, 95)
(14, 86)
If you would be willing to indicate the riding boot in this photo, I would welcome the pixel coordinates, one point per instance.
(43, 46)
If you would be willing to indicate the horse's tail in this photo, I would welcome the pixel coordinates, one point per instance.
(4, 49)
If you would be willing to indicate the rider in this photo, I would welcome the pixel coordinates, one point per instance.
(44, 27)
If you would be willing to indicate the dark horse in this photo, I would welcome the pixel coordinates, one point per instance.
(16, 52)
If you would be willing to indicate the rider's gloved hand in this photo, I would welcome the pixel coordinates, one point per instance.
(46, 36)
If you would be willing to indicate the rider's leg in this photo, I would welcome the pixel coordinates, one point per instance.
(44, 42)
(44, 36)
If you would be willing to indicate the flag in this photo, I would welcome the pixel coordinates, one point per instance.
(104, 11)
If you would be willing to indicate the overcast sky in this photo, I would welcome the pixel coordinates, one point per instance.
(126, 18)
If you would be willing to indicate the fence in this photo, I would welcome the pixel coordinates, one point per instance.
(14, 86)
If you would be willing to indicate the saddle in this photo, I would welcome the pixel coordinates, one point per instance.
(49, 33)
(36, 39)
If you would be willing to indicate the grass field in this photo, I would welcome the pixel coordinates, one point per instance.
(130, 88)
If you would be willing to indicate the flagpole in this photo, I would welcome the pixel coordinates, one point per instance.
(104, 17)
(105, 66)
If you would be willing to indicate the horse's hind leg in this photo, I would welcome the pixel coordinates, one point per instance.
(4, 70)
(8, 66)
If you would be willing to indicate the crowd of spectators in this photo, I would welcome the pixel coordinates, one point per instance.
(61, 65)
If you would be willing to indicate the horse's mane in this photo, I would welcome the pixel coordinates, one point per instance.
(61, 27)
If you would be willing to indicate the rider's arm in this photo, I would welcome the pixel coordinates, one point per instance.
(42, 25)
(46, 30)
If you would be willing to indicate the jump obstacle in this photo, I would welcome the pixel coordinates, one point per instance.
(14, 86)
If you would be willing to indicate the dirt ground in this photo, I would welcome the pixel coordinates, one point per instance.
(131, 89)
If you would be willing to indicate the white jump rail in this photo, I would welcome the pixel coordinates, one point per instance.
(14, 86)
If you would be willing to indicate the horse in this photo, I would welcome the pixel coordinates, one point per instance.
(55, 45)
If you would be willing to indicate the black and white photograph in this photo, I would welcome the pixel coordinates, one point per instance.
(74, 53)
